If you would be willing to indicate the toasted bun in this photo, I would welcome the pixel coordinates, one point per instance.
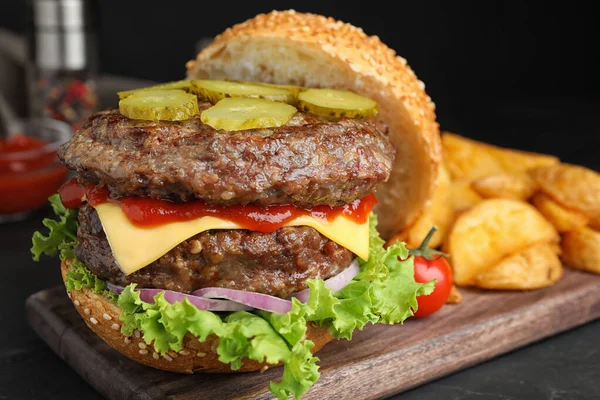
(102, 317)
(311, 50)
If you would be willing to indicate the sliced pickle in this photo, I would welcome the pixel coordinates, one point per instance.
(159, 105)
(241, 113)
(336, 103)
(183, 85)
(294, 89)
(214, 91)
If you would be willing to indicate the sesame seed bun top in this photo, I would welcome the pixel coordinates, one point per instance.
(314, 51)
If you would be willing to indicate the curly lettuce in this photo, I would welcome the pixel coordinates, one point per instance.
(384, 291)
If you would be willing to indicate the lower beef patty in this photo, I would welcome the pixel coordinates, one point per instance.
(277, 263)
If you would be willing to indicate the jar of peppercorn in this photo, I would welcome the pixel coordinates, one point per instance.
(62, 60)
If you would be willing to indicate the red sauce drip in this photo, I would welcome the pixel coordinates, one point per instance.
(29, 173)
(148, 212)
(72, 194)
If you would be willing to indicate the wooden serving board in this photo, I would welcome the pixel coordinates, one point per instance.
(378, 362)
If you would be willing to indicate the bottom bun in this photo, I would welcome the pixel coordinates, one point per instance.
(102, 317)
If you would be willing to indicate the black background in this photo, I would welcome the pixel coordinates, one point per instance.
(486, 64)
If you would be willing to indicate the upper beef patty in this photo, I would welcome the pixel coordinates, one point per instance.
(307, 162)
(277, 263)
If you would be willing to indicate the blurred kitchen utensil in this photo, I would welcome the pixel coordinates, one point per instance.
(8, 118)
(63, 60)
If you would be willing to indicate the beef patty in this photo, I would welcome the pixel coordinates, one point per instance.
(307, 162)
(277, 263)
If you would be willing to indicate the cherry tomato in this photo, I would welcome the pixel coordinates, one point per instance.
(427, 270)
(429, 265)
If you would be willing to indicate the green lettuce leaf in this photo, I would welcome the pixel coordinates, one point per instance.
(292, 326)
(79, 277)
(299, 373)
(62, 236)
(384, 291)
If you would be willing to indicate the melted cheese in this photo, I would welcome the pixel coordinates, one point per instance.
(134, 247)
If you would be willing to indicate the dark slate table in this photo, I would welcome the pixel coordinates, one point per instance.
(566, 366)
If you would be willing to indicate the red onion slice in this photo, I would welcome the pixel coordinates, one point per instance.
(334, 283)
(255, 300)
(171, 296)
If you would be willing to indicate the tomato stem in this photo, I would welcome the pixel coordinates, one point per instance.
(424, 251)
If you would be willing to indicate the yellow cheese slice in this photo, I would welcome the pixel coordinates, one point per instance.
(134, 247)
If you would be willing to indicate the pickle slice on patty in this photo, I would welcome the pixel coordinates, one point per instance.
(182, 85)
(214, 91)
(159, 105)
(336, 103)
(294, 89)
(241, 113)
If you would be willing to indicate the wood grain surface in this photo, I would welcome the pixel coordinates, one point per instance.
(378, 362)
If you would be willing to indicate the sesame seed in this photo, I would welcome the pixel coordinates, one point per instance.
(143, 352)
(201, 354)
(93, 320)
(86, 311)
(106, 317)
(155, 355)
(213, 348)
(137, 334)
(127, 340)
(184, 353)
(142, 345)
(263, 369)
(172, 354)
(166, 357)
(115, 327)
(77, 303)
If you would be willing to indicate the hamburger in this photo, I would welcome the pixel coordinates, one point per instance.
(232, 221)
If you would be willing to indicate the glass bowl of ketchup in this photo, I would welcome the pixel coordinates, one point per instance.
(30, 170)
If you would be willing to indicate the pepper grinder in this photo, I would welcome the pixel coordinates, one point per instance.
(62, 63)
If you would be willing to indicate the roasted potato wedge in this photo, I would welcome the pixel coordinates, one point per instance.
(536, 267)
(505, 186)
(440, 213)
(563, 219)
(465, 159)
(455, 296)
(581, 249)
(574, 187)
(490, 231)
(469, 159)
(463, 196)
(595, 223)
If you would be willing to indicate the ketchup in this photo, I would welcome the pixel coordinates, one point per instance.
(72, 194)
(148, 212)
(29, 173)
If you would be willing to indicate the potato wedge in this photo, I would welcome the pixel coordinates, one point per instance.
(581, 249)
(465, 159)
(595, 223)
(563, 219)
(505, 186)
(469, 159)
(490, 231)
(536, 267)
(463, 196)
(573, 186)
(455, 296)
(440, 213)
